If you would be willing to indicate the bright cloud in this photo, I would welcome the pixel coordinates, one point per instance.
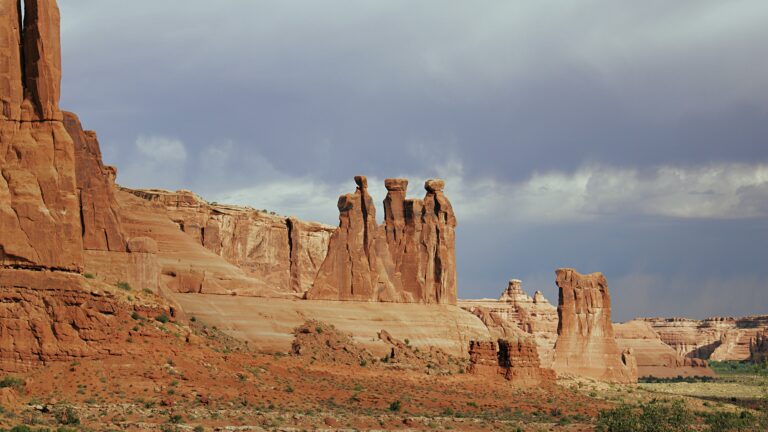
(162, 149)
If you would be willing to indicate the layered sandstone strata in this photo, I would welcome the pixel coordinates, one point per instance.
(516, 310)
(285, 253)
(516, 359)
(654, 357)
(411, 258)
(716, 338)
(586, 344)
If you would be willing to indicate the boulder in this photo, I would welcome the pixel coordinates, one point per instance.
(586, 345)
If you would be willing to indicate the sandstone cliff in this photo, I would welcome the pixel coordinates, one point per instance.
(716, 338)
(410, 259)
(654, 357)
(284, 253)
(586, 344)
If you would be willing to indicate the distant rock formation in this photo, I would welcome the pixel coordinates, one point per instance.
(515, 310)
(586, 344)
(411, 259)
(654, 357)
(516, 359)
(716, 338)
(758, 348)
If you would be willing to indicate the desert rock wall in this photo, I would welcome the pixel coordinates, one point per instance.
(716, 338)
(285, 253)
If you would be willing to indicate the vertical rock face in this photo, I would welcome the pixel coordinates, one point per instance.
(11, 76)
(411, 258)
(39, 209)
(358, 266)
(42, 57)
(99, 212)
(515, 358)
(586, 344)
(438, 240)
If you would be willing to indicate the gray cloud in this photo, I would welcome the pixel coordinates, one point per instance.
(569, 117)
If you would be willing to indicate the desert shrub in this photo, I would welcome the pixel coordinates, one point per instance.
(163, 318)
(67, 416)
(89, 276)
(199, 429)
(11, 381)
(738, 367)
(395, 406)
(726, 421)
(677, 379)
(647, 417)
(125, 286)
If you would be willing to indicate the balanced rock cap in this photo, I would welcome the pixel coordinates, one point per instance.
(434, 185)
(362, 182)
(396, 184)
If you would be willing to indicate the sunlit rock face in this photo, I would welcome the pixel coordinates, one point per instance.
(586, 344)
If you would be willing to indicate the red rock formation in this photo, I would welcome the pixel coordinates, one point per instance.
(519, 359)
(483, 358)
(394, 219)
(586, 344)
(357, 266)
(49, 316)
(99, 212)
(412, 258)
(716, 338)
(284, 253)
(653, 356)
(516, 359)
(515, 310)
(39, 210)
(42, 57)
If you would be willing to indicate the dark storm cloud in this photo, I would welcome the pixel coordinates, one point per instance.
(277, 104)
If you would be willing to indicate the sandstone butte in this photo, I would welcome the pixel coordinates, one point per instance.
(586, 343)
(69, 235)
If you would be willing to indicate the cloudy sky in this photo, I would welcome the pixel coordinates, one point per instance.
(617, 136)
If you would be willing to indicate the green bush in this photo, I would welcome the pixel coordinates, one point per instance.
(67, 416)
(163, 318)
(648, 417)
(722, 421)
(125, 286)
(89, 276)
(395, 406)
(11, 381)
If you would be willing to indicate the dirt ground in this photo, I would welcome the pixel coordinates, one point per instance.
(196, 378)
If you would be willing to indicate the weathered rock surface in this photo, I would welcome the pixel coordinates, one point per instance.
(586, 344)
(49, 316)
(39, 209)
(716, 338)
(516, 359)
(410, 259)
(285, 253)
(515, 310)
(358, 266)
(99, 212)
(653, 356)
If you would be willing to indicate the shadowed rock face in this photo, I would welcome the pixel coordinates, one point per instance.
(412, 258)
(586, 344)
(515, 358)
